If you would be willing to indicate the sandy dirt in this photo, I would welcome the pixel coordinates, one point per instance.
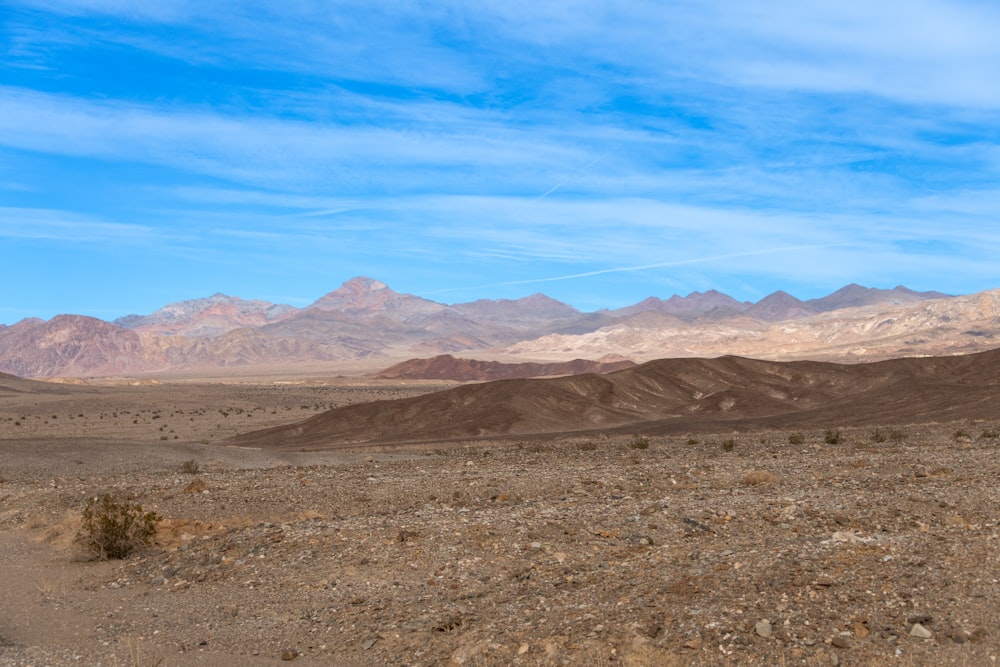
(753, 548)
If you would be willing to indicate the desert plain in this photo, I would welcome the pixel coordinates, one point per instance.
(830, 538)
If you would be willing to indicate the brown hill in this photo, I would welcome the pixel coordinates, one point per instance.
(447, 367)
(69, 345)
(11, 384)
(669, 395)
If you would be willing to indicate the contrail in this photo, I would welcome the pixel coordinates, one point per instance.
(577, 173)
(643, 267)
(660, 265)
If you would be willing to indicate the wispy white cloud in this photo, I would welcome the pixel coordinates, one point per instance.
(70, 227)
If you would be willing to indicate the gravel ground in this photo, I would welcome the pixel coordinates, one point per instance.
(736, 549)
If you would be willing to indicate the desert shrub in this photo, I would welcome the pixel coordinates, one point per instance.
(728, 445)
(796, 439)
(897, 436)
(960, 434)
(588, 446)
(879, 436)
(832, 438)
(190, 467)
(639, 443)
(758, 477)
(989, 434)
(693, 441)
(114, 528)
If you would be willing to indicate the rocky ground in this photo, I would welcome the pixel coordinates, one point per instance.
(765, 548)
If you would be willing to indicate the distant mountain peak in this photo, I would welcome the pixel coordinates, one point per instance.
(367, 296)
(364, 283)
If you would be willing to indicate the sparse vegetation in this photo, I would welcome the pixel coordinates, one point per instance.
(113, 528)
(989, 434)
(833, 437)
(728, 445)
(639, 443)
(961, 434)
(588, 446)
(693, 441)
(796, 439)
(190, 467)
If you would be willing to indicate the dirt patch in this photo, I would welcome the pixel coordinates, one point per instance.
(562, 551)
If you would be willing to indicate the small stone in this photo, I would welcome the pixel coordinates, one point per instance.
(289, 653)
(368, 643)
(535, 545)
(920, 632)
(522, 649)
(694, 643)
(840, 641)
(763, 628)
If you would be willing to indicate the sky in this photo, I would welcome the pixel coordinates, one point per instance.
(597, 152)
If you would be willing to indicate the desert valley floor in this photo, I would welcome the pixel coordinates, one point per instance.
(823, 543)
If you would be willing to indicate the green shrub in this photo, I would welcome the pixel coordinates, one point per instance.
(728, 445)
(961, 434)
(114, 528)
(832, 438)
(796, 439)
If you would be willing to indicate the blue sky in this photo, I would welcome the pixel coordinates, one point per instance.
(598, 152)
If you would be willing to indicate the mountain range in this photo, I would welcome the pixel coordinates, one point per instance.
(366, 320)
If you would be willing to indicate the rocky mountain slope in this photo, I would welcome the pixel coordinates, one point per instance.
(447, 367)
(949, 325)
(365, 319)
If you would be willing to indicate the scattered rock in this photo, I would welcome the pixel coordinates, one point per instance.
(920, 632)
(695, 643)
(763, 628)
(195, 486)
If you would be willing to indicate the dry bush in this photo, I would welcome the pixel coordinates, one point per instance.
(796, 439)
(639, 443)
(113, 528)
(758, 477)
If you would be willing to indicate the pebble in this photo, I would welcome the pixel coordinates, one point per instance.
(840, 641)
(920, 632)
(763, 628)
(289, 653)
